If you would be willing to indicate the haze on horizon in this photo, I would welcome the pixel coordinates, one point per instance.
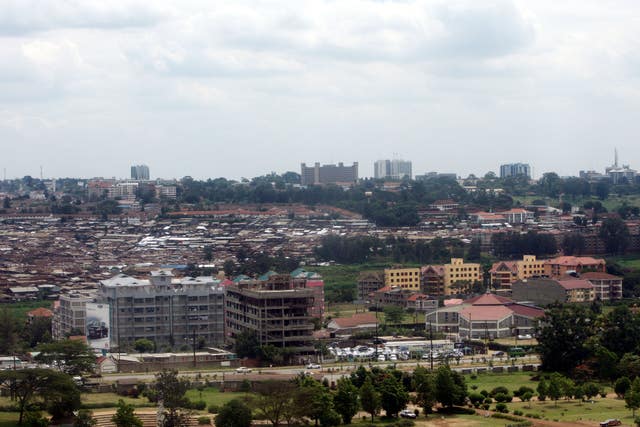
(240, 89)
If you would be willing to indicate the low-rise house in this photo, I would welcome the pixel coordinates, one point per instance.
(356, 323)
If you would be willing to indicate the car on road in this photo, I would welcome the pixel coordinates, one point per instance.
(313, 366)
(611, 422)
(498, 354)
(243, 370)
(407, 413)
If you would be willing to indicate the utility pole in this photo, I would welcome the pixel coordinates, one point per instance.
(431, 344)
(194, 347)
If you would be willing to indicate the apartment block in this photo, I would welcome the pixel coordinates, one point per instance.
(563, 265)
(140, 172)
(328, 174)
(170, 312)
(607, 286)
(452, 278)
(405, 278)
(504, 273)
(368, 283)
(69, 315)
(395, 169)
(278, 310)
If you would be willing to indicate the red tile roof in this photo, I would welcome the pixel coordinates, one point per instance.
(486, 312)
(575, 284)
(489, 299)
(356, 320)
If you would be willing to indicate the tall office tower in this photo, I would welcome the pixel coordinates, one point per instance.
(392, 169)
(140, 172)
(515, 169)
(328, 174)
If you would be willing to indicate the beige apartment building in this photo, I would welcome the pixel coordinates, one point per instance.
(405, 278)
(452, 278)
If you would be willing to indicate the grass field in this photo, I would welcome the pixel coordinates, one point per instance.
(8, 419)
(19, 309)
(213, 396)
(630, 262)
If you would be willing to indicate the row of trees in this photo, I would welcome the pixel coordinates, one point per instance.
(372, 391)
(585, 343)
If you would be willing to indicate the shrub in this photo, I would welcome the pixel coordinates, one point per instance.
(502, 408)
(486, 406)
(213, 409)
(500, 389)
(473, 377)
(522, 390)
(198, 405)
(502, 398)
(485, 393)
(204, 421)
(526, 396)
(518, 412)
(476, 399)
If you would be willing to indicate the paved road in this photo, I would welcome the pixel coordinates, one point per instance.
(332, 372)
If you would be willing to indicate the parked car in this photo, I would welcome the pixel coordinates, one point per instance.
(313, 366)
(243, 370)
(498, 354)
(611, 422)
(407, 413)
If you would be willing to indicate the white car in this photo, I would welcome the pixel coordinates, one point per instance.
(243, 370)
(313, 366)
(407, 413)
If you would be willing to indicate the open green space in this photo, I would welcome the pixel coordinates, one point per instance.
(19, 309)
(213, 396)
(8, 419)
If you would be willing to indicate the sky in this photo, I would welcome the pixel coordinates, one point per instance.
(244, 88)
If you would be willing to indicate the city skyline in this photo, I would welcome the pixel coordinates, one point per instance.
(245, 88)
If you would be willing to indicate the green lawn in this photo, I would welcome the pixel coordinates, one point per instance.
(102, 398)
(573, 410)
(8, 419)
(512, 381)
(630, 262)
(213, 396)
(19, 309)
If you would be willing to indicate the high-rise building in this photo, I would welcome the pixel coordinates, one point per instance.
(279, 310)
(170, 312)
(392, 169)
(69, 315)
(328, 174)
(515, 169)
(140, 172)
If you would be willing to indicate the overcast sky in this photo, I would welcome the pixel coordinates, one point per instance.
(242, 88)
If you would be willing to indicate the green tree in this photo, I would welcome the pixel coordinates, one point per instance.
(246, 344)
(632, 397)
(85, 419)
(55, 390)
(345, 401)
(73, 357)
(6, 203)
(370, 398)
(394, 314)
(425, 388)
(555, 387)
(125, 416)
(171, 392)
(274, 401)
(234, 413)
(450, 387)
(622, 386)
(393, 396)
(144, 345)
(615, 235)
(8, 332)
(563, 336)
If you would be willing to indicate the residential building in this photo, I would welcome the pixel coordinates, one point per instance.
(140, 172)
(170, 312)
(487, 316)
(328, 174)
(166, 191)
(405, 278)
(515, 169)
(561, 266)
(452, 278)
(69, 315)
(395, 169)
(543, 292)
(504, 273)
(607, 286)
(359, 322)
(436, 175)
(278, 310)
(368, 283)
(444, 205)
